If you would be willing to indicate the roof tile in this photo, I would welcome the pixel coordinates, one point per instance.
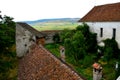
(103, 13)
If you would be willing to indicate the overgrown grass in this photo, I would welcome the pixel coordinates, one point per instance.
(84, 67)
(53, 48)
(84, 70)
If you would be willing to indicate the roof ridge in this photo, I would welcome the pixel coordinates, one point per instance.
(107, 4)
(31, 29)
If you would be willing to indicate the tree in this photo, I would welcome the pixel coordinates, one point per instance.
(78, 44)
(111, 49)
(56, 38)
(75, 46)
(66, 34)
(90, 38)
(7, 33)
(8, 58)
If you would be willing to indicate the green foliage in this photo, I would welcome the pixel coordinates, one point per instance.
(78, 45)
(90, 38)
(88, 60)
(74, 46)
(111, 49)
(7, 33)
(84, 29)
(79, 42)
(56, 38)
(66, 34)
(67, 45)
(91, 43)
(8, 59)
(53, 48)
(111, 55)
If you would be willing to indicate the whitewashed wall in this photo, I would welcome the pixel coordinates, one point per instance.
(107, 30)
(23, 42)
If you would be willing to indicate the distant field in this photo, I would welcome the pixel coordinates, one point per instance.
(55, 26)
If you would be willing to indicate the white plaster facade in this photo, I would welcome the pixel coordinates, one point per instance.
(107, 30)
(23, 40)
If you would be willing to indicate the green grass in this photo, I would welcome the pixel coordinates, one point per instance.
(55, 26)
(53, 48)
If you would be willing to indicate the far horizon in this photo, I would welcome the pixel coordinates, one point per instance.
(48, 19)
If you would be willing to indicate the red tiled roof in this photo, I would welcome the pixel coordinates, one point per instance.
(103, 13)
(40, 64)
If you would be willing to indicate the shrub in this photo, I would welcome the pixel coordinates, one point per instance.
(88, 60)
(56, 38)
(79, 42)
(111, 49)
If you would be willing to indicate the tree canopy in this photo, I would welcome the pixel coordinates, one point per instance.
(8, 60)
(7, 33)
(79, 42)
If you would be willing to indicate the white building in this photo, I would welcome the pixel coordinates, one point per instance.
(105, 21)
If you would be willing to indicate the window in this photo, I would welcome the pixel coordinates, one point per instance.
(114, 33)
(101, 32)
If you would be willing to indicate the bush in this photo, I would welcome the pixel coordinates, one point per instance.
(8, 59)
(88, 60)
(56, 38)
(111, 49)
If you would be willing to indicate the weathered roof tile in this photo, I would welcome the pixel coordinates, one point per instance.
(103, 13)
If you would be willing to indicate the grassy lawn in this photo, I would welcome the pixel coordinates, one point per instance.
(54, 49)
(108, 68)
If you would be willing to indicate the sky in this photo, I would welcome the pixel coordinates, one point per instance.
(28, 10)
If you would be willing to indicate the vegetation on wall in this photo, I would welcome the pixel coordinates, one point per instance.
(8, 60)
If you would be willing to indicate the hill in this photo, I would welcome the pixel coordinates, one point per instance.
(53, 20)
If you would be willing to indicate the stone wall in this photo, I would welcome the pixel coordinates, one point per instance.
(49, 35)
(24, 39)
